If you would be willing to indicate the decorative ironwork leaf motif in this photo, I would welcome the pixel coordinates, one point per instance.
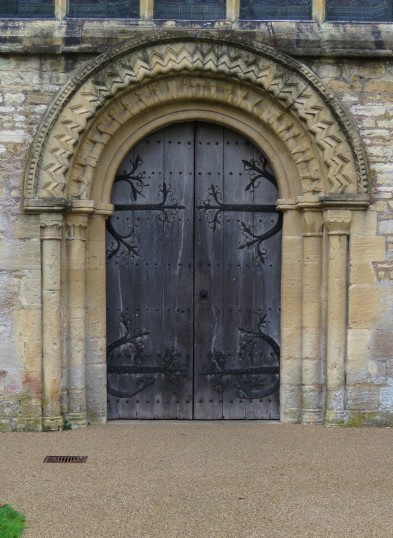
(135, 179)
(257, 170)
(121, 240)
(250, 382)
(130, 348)
(253, 239)
(167, 209)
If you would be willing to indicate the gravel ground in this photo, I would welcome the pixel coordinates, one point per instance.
(202, 479)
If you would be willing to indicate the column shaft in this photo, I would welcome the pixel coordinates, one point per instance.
(338, 225)
(96, 316)
(146, 8)
(233, 10)
(61, 9)
(51, 235)
(76, 276)
(319, 10)
(291, 315)
(312, 284)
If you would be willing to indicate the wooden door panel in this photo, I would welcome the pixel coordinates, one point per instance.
(209, 147)
(150, 325)
(237, 331)
(193, 279)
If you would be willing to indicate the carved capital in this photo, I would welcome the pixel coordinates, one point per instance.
(103, 209)
(312, 223)
(77, 224)
(286, 204)
(51, 225)
(338, 222)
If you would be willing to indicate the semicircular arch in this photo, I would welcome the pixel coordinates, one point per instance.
(319, 143)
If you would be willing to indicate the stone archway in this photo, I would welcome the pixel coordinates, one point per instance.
(276, 102)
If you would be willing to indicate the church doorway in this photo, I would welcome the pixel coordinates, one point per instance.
(193, 279)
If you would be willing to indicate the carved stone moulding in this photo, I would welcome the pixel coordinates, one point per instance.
(282, 93)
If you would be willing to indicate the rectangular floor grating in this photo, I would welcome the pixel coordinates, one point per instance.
(65, 459)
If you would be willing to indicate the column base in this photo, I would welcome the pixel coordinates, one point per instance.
(290, 416)
(52, 424)
(77, 420)
(336, 418)
(27, 424)
(312, 416)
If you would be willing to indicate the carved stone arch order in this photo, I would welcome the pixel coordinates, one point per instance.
(282, 93)
(124, 95)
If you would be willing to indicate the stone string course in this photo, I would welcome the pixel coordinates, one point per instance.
(365, 88)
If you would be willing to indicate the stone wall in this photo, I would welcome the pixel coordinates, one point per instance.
(365, 87)
(27, 85)
(28, 82)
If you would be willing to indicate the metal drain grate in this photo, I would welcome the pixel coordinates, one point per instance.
(65, 459)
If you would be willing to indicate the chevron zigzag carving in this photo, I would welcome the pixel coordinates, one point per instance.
(304, 114)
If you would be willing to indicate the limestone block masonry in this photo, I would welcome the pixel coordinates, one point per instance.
(68, 115)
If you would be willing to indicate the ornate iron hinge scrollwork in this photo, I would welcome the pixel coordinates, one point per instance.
(258, 171)
(169, 363)
(167, 208)
(250, 382)
(213, 204)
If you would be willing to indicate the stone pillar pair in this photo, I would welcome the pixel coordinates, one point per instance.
(52, 235)
(314, 311)
(324, 336)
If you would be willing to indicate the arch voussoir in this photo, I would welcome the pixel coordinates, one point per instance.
(305, 114)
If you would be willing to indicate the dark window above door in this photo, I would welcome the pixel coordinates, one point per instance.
(37, 9)
(272, 9)
(189, 9)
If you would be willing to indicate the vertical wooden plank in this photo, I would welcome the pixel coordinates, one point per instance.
(115, 306)
(235, 260)
(208, 272)
(148, 277)
(266, 277)
(178, 267)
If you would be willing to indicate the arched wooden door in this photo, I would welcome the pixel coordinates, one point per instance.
(193, 279)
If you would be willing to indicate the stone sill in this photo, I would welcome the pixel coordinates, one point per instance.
(92, 36)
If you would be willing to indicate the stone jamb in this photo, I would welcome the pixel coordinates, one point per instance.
(51, 236)
(146, 9)
(232, 10)
(338, 224)
(312, 411)
(319, 11)
(77, 226)
(61, 8)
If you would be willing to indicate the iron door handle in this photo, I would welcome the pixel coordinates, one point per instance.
(203, 294)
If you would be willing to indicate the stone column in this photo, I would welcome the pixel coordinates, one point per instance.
(76, 291)
(319, 10)
(96, 316)
(232, 10)
(291, 313)
(312, 307)
(338, 225)
(51, 236)
(61, 9)
(146, 9)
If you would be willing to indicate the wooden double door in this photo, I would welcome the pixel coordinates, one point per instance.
(193, 279)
